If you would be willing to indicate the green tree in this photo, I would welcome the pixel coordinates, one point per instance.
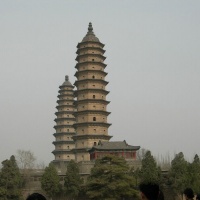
(149, 171)
(110, 179)
(194, 174)
(178, 174)
(10, 180)
(50, 181)
(72, 181)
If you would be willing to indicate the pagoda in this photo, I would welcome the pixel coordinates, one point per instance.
(64, 130)
(91, 124)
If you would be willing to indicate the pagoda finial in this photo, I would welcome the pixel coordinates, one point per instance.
(90, 36)
(90, 28)
(66, 78)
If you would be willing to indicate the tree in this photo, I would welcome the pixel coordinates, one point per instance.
(194, 174)
(10, 180)
(178, 174)
(141, 154)
(26, 162)
(25, 159)
(110, 179)
(50, 181)
(149, 171)
(72, 181)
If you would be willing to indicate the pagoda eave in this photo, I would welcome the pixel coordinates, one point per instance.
(90, 55)
(87, 71)
(66, 86)
(86, 42)
(64, 133)
(90, 62)
(90, 80)
(91, 90)
(64, 112)
(65, 95)
(88, 48)
(63, 142)
(94, 136)
(63, 126)
(62, 151)
(103, 124)
(91, 101)
(65, 118)
(65, 105)
(91, 112)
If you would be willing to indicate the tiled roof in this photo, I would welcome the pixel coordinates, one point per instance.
(114, 146)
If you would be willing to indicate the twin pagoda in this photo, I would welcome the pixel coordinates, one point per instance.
(81, 120)
(81, 117)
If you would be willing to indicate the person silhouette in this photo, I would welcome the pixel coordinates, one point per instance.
(149, 191)
(189, 194)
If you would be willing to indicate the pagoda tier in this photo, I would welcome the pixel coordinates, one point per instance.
(65, 120)
(91, 115)
(63, 133)
(90, 65)
(80, 75)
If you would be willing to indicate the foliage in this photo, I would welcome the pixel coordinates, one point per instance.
(194, 174)
(178, 174)
(72, 181)
(10, 180)
(149, 171)
(110, 179)
(50, 181)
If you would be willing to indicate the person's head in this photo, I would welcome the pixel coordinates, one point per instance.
(149, 191)
(189, 194)
(36, 196)
(198, 197)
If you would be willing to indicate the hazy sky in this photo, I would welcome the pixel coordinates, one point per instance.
(153, 56)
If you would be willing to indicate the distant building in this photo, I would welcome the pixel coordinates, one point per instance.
(81, 123)
(120, 149)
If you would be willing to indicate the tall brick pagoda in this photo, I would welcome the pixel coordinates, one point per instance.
(91, 116)
(64, 124)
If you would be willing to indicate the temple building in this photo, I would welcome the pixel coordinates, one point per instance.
(64, 129)
(120, 149)
(81, 123)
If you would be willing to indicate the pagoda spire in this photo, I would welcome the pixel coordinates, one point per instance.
(90, 28)
(90, 36)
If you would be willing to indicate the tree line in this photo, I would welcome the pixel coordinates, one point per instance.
(110, 178)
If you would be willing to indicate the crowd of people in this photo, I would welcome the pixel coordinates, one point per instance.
(148, 191)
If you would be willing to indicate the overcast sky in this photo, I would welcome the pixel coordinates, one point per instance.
(153, 56)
